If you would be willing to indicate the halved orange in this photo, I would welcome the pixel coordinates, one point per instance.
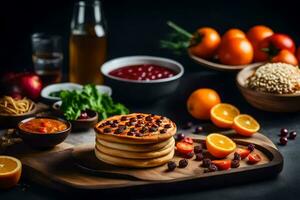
(245, 125)
(222, 115)
(219, 145)
(10, 171)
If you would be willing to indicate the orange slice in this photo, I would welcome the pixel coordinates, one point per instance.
(245, 125)
(222, 115)
(219, 145)
(10, 171)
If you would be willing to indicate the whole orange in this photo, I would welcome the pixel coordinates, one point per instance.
(201, 101)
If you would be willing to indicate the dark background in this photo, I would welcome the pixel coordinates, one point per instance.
(135, 27)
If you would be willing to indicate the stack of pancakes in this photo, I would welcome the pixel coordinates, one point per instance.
(135, 140)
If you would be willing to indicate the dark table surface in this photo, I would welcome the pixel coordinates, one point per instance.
(135, 27)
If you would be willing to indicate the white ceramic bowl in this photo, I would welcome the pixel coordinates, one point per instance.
(68, 86)
(141, 90)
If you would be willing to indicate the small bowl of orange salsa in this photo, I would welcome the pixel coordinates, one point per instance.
(44, 132)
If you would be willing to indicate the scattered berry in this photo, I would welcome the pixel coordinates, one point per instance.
(183, 163)
(235, 163)
(189, 155)
(237, 156)
(198, 149)
(199, 157)
(184, 148)
(283, 140)
(292, 135)
(284, 132)
(206, 162)
(222, 164)
(198, 129)
(243, 152)
(212, 168)
(188, 125)
(251, 147)
(171, 165)
(180, 136)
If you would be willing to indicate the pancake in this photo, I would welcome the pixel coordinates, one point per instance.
(140, 163)
(136, 155)
(135, 128)
(135, 147)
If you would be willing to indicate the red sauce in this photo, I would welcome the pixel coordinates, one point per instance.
(43, 125)
(145, 72)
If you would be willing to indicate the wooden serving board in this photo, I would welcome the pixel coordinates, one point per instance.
(75, 167)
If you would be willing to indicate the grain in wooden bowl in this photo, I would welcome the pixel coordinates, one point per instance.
(273, 87)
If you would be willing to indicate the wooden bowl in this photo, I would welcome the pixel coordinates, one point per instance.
(266, 101)
(79, 124)
(11, 121)
(43, 141)
(220, 67)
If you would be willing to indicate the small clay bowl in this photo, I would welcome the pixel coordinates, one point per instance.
(79, 124)
(266, 101)
(11, 121)
(42, 140)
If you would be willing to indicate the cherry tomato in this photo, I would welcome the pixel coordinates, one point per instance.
(236, 51)
(184, 147)
(271, 46)
(298, 54)
(243, 152)
(253, 158)
(285, 56)
(255, 35)
(205, 42)
(188, 140)
(233, 33)
(222, 164)
(258, 33)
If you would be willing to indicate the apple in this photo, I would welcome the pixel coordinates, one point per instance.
(31, 85)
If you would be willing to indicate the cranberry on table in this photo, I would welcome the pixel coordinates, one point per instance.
(206, 162)
(283, 140)
(292, 135)
(251, 147)
(284, 132)
(212, 168)
(198, 129)
(183, 163)
(237, 156)
(235, 163)
(189, 155)
(180, 136)
(198, 149)
(199, 157)
(171, 165)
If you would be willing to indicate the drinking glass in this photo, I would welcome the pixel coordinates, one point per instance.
(47, 57)
(87, 43)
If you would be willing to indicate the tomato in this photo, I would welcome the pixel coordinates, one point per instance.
(205, 42)
(222, 164)
(233, 33)
(255, 35)
(243, 152)
(285, 56)
(258, 33)
(253, 158)
(298, 54)
(272, 45)
(236, 51)
(188, 140)
(184, 147)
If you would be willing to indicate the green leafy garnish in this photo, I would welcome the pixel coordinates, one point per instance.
(89, 98)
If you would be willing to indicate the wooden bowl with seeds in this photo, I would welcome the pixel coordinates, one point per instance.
(267, 101)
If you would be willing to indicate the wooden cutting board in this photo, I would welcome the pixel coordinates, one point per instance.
(75, 167)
